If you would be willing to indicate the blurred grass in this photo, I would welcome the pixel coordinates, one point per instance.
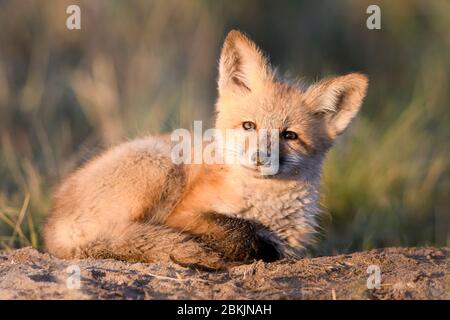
(139, 67)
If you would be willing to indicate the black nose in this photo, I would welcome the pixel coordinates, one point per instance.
(260, 158)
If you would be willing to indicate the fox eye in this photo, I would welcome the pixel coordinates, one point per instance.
(248, 125)
(289, 135)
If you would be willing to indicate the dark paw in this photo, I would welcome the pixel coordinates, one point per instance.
(240, 241)
(266, 250)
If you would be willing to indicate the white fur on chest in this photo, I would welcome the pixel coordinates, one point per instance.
(287, 208)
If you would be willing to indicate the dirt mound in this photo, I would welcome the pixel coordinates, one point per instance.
(406, 273)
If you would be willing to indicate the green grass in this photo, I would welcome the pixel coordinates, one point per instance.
(140, 67)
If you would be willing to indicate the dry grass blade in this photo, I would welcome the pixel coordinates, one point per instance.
(18, 224)
(32, 230)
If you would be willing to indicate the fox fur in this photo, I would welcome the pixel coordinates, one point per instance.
(133, 203)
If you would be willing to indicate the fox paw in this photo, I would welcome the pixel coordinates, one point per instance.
(242, 241)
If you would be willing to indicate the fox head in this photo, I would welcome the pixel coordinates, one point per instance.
(253, 99)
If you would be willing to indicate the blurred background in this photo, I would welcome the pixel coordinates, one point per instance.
(139, 67)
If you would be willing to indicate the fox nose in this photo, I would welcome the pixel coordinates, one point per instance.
(260, 158)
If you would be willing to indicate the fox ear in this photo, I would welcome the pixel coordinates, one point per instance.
(242, 65)
(337, 100)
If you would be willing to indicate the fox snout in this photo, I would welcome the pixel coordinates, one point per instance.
(259, 158)
(263, 155)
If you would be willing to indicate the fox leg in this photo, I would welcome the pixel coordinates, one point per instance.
(236, 239)
(241, 241)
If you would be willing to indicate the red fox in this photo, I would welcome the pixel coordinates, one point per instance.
(133, 203)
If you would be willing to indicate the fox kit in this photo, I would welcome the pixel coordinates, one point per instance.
(134, 203)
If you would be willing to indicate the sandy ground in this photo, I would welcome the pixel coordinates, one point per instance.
(406, 273)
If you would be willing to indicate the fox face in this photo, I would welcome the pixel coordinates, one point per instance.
(294, 125)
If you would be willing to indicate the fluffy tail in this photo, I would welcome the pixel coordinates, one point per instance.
(141, 242)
